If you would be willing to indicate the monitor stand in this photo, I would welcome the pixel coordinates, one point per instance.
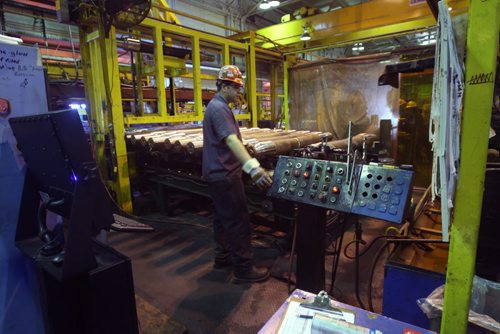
(90, 288)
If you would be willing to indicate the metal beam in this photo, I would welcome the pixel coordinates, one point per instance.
(252, 79)
(363, 17)
(482, 48)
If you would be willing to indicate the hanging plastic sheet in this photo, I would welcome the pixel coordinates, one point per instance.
(444, 127)
(325, 96)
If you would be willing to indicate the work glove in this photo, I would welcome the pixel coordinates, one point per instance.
(261, 178)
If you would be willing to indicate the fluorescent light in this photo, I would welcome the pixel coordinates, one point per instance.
(74, 106)
(426, 38)
(203, 67)
(274, 3)
(357, 47)
(264, 5)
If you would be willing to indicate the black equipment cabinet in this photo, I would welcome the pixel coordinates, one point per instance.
(100, 301)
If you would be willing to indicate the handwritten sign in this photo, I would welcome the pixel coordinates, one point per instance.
(22, 82)
(13, 56)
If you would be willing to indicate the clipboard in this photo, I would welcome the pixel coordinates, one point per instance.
(299, 315)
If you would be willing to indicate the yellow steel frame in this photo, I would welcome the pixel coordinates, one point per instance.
(160, 31)
(102, 85)
(99, 55)
(367, 20)
(482, 48)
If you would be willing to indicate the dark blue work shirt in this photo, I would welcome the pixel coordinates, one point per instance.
(218, 123)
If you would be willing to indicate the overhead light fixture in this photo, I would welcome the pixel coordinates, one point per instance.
(305, 34)
(358, 47)
(264, 5)
(426, 38)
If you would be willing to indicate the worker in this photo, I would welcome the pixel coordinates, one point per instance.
(224, 159)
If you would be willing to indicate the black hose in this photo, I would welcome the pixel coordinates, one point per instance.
(292, 252)
(335, 263)
(372, 271)
(356, 281)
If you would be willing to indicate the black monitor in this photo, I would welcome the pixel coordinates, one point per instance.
(62, 177)
(54, 146)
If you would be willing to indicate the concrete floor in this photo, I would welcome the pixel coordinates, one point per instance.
(177, 291)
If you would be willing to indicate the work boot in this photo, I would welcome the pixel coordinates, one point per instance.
(253, 275)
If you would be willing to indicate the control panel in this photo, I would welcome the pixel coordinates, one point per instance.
(369, 190)
(383, 192)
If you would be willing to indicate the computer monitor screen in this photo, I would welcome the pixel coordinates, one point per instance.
(54, 146)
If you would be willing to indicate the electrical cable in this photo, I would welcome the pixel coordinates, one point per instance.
(74, 56)
(356, 264)
(336, 260)
(292, 254)
(372, 272)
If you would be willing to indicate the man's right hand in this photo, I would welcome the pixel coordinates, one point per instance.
(261, 178)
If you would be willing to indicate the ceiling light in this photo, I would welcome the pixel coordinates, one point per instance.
(357, 47)
(274, 3)
(265, 5)
(305, 34)
(426, 38)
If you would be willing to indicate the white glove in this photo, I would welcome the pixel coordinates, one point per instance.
(261, 178)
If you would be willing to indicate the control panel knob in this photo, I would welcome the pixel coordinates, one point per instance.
(319, 167)
(300, 193)
(314, 186)
(287, 172)
(291, 190)
(303, 184)
(327, 178)
(335, 189)
(296, 173)
(340, 171)
(306, 174)
(322, 196)
(312, 194)
(293, 183)
(324, 187)
(309, 166)
(329, 169)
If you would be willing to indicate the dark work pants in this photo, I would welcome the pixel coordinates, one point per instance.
(232, 228)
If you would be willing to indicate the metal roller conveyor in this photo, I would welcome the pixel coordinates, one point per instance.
(169, 143)
(180, 145)
(283, 146)
(194, 148)
(158, 143)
